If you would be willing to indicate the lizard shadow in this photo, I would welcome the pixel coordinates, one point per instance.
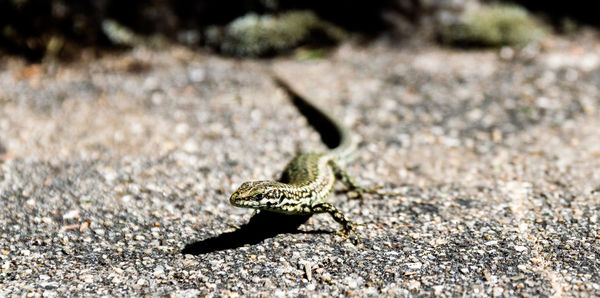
(260, 227)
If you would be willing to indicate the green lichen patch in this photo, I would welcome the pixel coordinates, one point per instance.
(255, 35)
(493, 26)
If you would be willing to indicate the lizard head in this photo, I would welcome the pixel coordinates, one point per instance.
(256, 194)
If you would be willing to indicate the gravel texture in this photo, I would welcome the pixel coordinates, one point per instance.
(110, 168)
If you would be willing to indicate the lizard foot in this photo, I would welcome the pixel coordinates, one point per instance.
(346, 232)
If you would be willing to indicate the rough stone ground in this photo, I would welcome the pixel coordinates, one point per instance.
(111, 167)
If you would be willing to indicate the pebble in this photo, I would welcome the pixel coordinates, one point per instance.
(414, 285)
(520, 248)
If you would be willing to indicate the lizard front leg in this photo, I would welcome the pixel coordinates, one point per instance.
(348, 226)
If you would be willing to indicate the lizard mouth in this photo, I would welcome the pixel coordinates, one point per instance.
(237, 201)
(234, 200)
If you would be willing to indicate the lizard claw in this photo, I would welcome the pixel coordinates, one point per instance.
(359, 193)
(348, 230)
(377, 190)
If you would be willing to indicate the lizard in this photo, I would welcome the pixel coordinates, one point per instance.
(308, 179)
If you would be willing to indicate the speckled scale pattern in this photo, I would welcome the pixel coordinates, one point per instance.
(306, 182)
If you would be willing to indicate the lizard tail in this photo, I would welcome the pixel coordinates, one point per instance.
(337, 137)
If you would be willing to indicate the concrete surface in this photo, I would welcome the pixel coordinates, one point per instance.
(110, 168)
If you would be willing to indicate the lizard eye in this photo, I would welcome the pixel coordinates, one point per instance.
(259, 196)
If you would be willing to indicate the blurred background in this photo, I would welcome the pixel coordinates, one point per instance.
(59, 28)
